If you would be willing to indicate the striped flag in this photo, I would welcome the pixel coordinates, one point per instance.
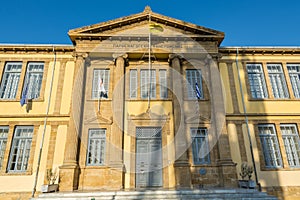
(102, 90)
(23, 99)
(198, 92)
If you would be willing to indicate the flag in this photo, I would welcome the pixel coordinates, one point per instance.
(198, 92)
(24, 95)
(102, 90)
(156, 28)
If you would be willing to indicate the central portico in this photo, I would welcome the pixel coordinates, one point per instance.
(149, 130)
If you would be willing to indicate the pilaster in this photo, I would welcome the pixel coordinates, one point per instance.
(69, 171)
(181, 165)
(227, 169)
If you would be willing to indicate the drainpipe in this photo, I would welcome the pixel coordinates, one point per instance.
(246, 120)
(45, 124)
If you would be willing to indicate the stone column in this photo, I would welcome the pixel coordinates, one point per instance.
(227, 169)
(117, 128)
(181, 165)
(69, 171)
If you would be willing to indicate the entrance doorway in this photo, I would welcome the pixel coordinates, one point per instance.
(148, 157)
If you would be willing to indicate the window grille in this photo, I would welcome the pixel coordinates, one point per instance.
(270, 146)
(10, 80)
(20, 150)
(277, 80)
(200, 146)
(3, 142)
(194, 76)
(133, 83)
(145, 84)
(294, 72)
(100, 83)
(163, 84)
(291, 140)
(96, 147)
(33, 80)
(257, 81)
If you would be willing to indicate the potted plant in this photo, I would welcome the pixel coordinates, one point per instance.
(51, 186)
(246, 170)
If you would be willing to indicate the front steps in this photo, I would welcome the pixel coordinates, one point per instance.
(201, 194)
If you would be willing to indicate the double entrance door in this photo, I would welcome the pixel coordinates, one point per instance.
(148, 157)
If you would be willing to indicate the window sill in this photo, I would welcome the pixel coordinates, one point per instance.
(24, 173)
(273, 99)
(95, 167)
(18, 100)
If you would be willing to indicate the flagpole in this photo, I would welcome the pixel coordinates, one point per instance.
(44, 130)
(149, 61)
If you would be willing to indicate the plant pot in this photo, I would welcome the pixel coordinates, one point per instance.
(243, 183)
(49, 188)
(247, 184)
(251, 184)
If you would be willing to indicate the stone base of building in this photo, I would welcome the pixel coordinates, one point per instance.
(16, 195)
(101, 179)
(286, 193)
(68, 177)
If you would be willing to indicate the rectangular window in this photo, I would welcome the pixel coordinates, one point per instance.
(96, 147)
(291, 144)
(278, 82)
(257, 81)
(33, 80)
(270, 147)
(194, 76)
(200, 146)
(10, 80)
(100, 83)
(20, 150)
(163, 83)
(146, 85)
(294, 72)
(3, 142)
(133, 83)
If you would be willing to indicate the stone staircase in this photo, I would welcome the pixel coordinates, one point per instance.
(201, 194)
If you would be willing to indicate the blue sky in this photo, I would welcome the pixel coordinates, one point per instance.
(245, 23)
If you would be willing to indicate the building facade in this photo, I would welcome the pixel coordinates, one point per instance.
(131, 106)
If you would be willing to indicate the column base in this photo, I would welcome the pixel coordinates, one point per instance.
(228, 173)
(182, 175)
(68, 177)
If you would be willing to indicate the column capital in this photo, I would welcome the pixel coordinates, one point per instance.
(123, 56)
(80, 55)
(172, 56)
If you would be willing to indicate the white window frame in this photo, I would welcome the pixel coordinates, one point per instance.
(278, 82)
(291, 141)
(96, 147)
(270, 146)
(104, 74)
(3, 142)
(20, 149)
(200, 146)
(257, 81)
(194, 76)
(10, 80)
(294, 73)
(163, 83)
(133, 84)
(33, 80)
(144, 81)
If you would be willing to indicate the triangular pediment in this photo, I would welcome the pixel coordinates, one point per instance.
(138, 23)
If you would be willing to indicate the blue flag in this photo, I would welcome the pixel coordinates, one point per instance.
(198, 93)
(24, 95)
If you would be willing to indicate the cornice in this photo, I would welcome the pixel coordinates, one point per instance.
(272, 50)
(31, 48)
